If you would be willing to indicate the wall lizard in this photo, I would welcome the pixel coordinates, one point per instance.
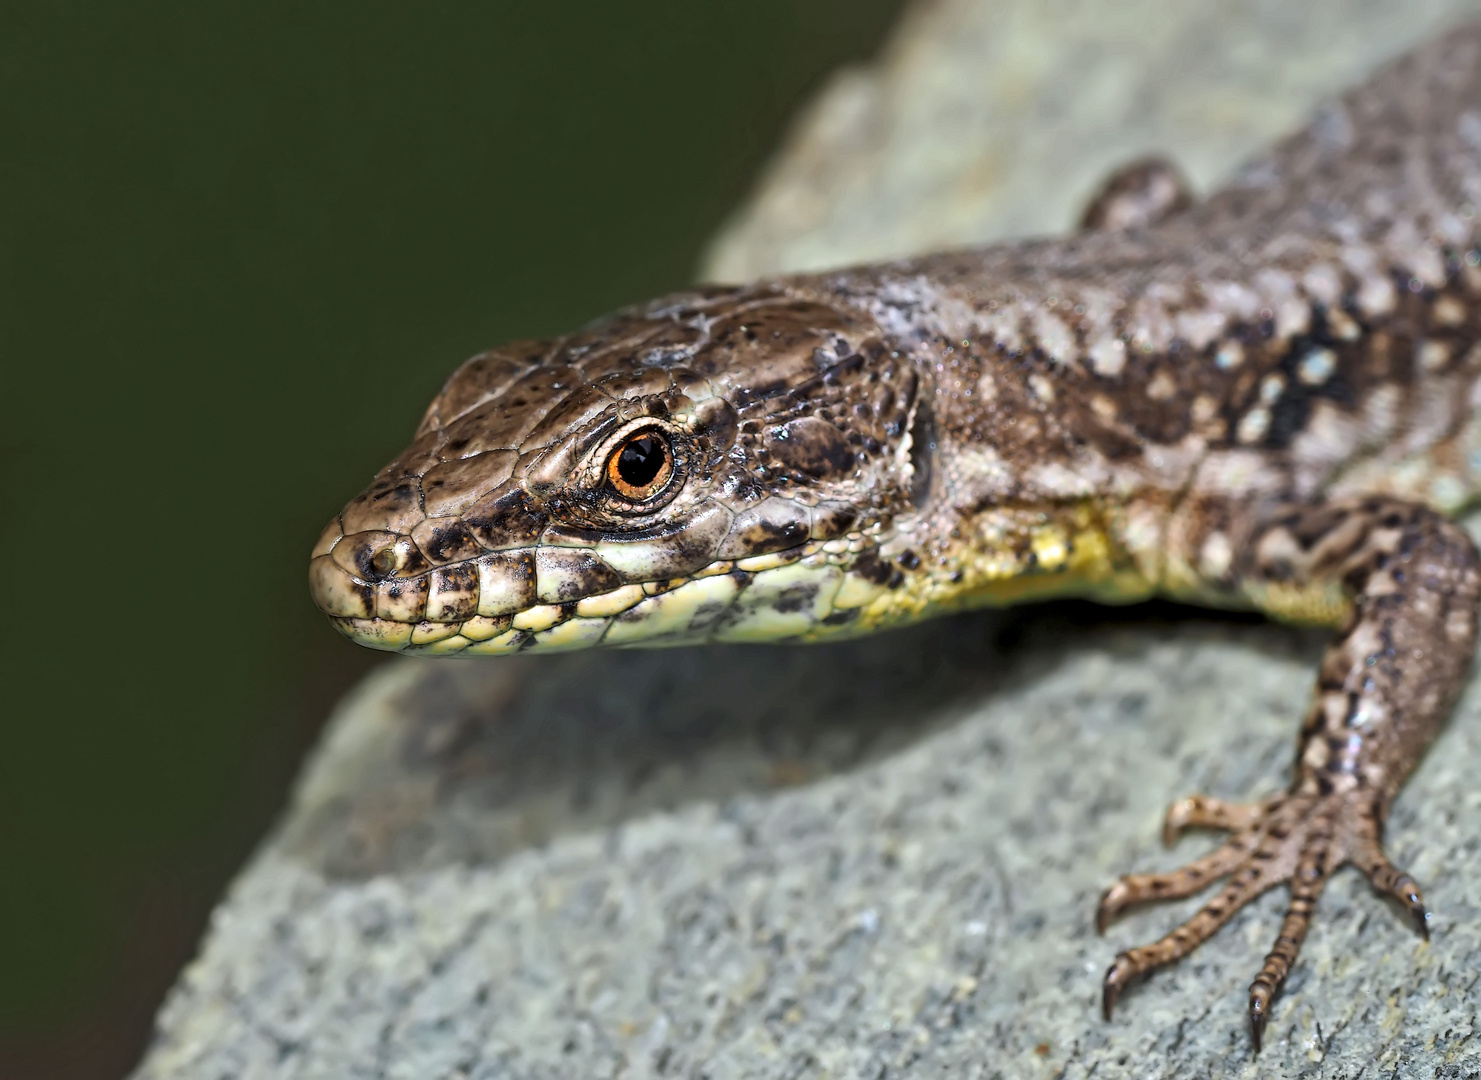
(1267, 399)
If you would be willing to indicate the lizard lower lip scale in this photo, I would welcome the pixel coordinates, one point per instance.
(1270, 399)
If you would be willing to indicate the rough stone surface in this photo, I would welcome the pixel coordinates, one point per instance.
(871, 860)
(989, 119)
(877, 859)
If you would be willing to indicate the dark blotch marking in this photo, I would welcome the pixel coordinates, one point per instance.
(1289, 414)
(582, 574)
(505, 519)
(365, 562)
(873, 569)
(398, 498)
(463, 582)
(706, 617)
(415, 589)
(763, 537)
(451, 544)
(832, 520)
(518, 566)
(715, 421)
(796, 598)
(811, 446)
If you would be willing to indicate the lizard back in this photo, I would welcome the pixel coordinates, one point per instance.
(836, 452)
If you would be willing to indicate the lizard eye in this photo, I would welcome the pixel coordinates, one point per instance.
(641, 466)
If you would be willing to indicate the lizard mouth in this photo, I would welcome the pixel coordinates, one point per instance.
(534, 599)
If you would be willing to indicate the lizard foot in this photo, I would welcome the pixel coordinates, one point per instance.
(1300, 838)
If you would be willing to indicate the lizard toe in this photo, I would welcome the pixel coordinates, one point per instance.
(1300, 839)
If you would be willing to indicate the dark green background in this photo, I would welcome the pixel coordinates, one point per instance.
(240, 247)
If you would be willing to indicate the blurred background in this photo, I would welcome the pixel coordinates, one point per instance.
(241, 245)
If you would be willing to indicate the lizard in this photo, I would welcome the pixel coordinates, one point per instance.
(1268, 399)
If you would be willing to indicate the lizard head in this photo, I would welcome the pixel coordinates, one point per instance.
(723, 465)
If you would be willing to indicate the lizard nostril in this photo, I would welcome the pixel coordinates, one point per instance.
(386, 561)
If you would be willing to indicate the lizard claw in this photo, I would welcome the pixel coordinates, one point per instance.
(1197, 811)
(1389, 881)
(1114, 983)
(1300, 838)
(1258, 1004)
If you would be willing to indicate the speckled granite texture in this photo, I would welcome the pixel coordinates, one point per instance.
(881, 859)
(988, 119)
(873, 860)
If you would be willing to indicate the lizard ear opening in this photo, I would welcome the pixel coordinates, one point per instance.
(922, 449)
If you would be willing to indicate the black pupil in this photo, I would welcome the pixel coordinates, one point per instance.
(640, 461)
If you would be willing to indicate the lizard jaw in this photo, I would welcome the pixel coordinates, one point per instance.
(808, 592)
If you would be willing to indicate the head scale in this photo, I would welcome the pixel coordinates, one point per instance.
(714, 466)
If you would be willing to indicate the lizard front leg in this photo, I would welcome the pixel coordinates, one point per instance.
(1413, 579)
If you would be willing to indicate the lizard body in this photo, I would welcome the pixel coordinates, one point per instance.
(1270, 399)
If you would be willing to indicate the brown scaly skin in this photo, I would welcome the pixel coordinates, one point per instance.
(1266, 400)
(1385, 686)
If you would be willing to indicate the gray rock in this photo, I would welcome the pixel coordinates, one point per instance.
(877, 859)
(987, 120)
